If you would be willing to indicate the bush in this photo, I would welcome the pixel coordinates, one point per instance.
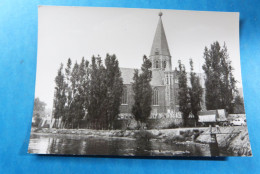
(142, 134)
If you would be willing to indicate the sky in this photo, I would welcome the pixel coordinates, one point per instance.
(76, 32)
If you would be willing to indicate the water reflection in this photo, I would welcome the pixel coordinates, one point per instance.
(79, 145)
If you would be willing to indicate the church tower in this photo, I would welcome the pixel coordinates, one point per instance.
(160, 55)
(161, 62)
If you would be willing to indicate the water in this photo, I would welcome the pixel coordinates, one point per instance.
(82, 145)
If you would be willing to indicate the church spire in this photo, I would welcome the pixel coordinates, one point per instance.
(160, 45)
(160, 54)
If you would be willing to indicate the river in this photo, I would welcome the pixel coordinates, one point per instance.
(82, 145)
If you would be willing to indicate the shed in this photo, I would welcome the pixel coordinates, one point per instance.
(208, 116)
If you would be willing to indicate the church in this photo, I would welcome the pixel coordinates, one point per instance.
(164, 80)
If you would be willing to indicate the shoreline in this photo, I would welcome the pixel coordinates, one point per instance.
(233, 139)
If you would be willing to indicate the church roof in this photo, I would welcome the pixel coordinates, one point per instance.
(160, 44)
(128, 74)
(157, 77)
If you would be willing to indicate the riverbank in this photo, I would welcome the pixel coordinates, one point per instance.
(179, 134)
(232, 139)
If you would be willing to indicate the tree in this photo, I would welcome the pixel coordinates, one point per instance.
(183, 94)
(91, 92)
(97, 94)
(220, 82)
(76, 106)
(85, 81)
(38, 111)
(212, 72)
(195, 93)
(142, 92)
(68, 91)
(114, 84)
(239, 107)
(77, 81)
(81, 91)
(228, 85)
(59, 95)
(136, 85)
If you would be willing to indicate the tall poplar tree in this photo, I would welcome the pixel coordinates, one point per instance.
(195, 93)
(59, 95)
(85, 82)
(80, 97)
(97, 94)
(212, 71)
(220, 83)
(228, 86)
(68, 92)
(142, 92)
(136, 85)
(114, 84)
(183, 94)
(75, 105)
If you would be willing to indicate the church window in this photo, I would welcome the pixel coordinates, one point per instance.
(155, 96)
(164, 64)
(157, 64)
(124, 96)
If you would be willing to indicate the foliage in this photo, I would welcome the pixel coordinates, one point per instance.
(239, 107)
(142, 92)
(68, 92)
(38, 111)
(98, 93)
(220, 82)
(183, 94)
(114, 84)
(91, 92)
(59, 95)
(195, 93)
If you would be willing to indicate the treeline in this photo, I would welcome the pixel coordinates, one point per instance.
(220, 85)
(88, 90)
(92, 90)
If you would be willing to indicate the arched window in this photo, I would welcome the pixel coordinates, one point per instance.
(164, 64)
(157, 64)
(124, 96)
(155, 96)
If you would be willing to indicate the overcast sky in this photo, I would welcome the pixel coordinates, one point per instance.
(75, 32)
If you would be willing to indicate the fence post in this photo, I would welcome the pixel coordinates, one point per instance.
(213, 145)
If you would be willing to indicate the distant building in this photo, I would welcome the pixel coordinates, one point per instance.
(164, 81)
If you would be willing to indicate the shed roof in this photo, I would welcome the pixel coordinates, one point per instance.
(206, 113)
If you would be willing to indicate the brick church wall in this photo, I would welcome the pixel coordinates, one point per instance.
(127, 108)
(161, 101)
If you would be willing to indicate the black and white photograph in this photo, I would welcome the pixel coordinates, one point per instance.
(138, 82)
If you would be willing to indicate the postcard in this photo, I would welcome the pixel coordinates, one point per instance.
(138, 82)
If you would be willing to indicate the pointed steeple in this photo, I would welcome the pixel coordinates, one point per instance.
(160, 45)
(160, 55)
